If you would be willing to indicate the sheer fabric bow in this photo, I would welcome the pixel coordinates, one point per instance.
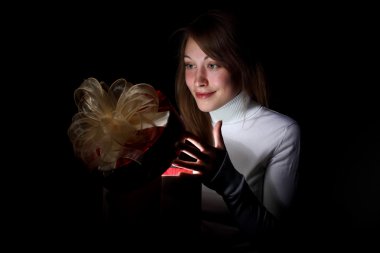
(114, 122)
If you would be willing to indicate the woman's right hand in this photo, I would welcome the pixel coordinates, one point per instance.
(207, 159)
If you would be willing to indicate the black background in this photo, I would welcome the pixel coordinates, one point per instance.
(320, 62)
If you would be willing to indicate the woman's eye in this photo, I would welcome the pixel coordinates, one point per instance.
(189, 66)
(213, 66)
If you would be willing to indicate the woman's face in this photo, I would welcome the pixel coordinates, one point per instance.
(210, 84)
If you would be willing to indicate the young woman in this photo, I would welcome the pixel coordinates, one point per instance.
(247, 153)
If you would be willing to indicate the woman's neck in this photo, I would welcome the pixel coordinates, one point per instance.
(233, 110)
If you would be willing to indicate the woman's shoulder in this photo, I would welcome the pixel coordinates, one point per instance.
(275, 118)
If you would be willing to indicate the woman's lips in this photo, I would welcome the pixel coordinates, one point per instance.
(204, 95)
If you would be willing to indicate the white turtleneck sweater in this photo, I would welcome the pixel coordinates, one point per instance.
(263, 147)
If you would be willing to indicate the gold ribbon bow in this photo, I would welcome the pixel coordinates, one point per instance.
(110, 121)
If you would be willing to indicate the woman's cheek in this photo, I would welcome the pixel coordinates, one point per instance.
(189, 79)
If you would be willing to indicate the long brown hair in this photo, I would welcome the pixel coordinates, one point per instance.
(219, 35)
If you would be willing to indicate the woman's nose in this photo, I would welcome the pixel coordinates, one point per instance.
(201, 78)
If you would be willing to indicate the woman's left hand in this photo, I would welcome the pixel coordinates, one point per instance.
(207, 158)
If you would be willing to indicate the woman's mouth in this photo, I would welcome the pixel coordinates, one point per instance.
(204, 95)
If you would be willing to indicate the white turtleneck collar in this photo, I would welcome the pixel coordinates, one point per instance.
(235, 110)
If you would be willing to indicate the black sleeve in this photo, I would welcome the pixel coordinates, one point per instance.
(251, 216)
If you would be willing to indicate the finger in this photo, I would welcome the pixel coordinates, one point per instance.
(191, 151)
(193, 140)
(217, 134)
(184, 136)
(188, 165)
